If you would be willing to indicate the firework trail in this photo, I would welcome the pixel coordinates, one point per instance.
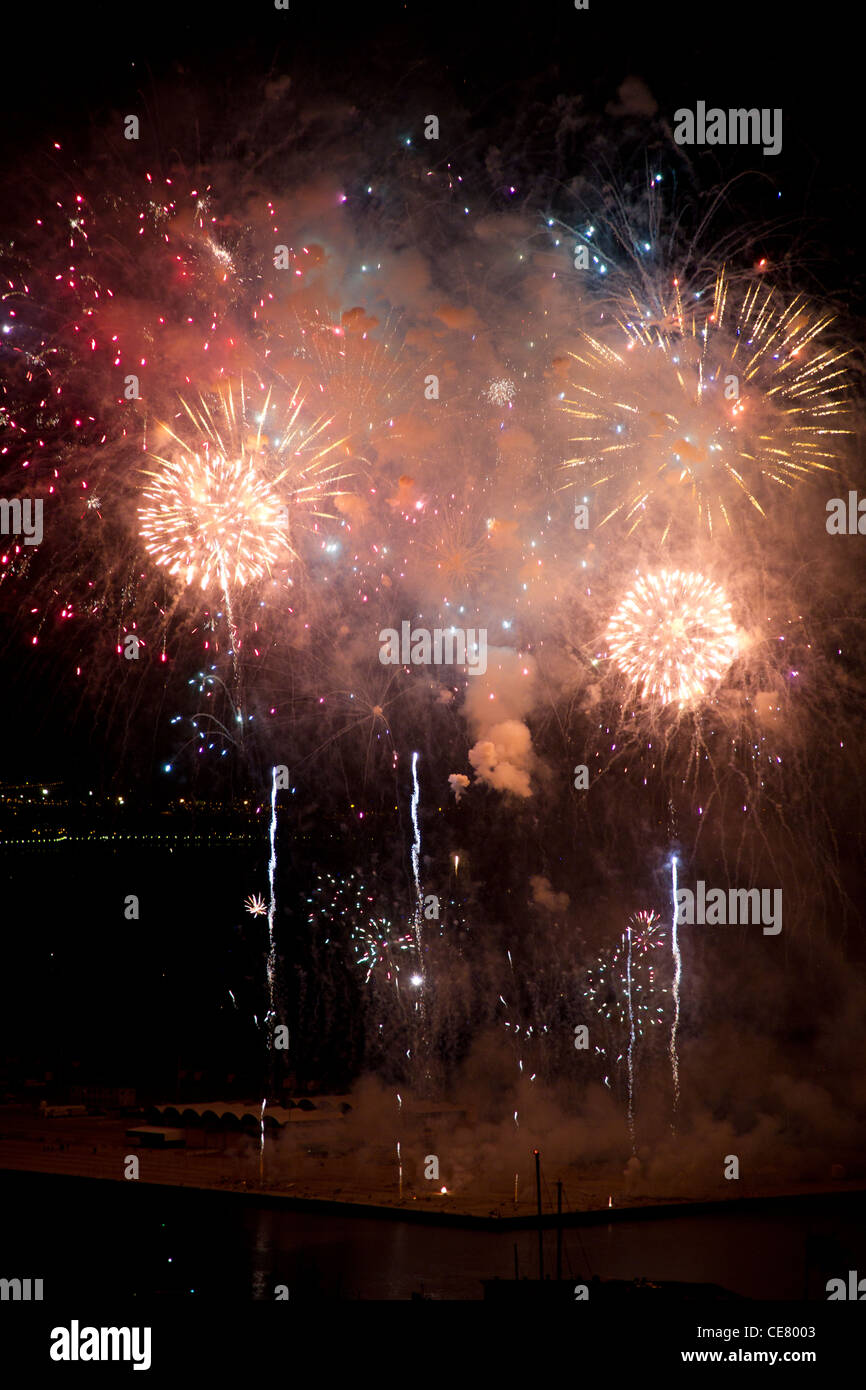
(630, 1044)
(416, 858)
(262, 1146)
(417, 920)
(678, 971)
(272, 948)
(272, 904)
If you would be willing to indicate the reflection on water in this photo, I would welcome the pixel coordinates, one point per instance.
(97, 1237)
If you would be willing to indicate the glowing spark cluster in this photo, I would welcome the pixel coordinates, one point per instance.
(705, 405)
(458, 550)
(500, 391)
(673, 636)
(376, 945)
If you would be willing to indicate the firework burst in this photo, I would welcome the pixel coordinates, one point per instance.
(673, 636)
(215, 513)
(500, 391)
(608, 981)
(376, 945)
(624, 989)
(701, 410)
(363, 376)
(457, 551)
(212, 519)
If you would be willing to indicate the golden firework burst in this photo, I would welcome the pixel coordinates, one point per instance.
(709, 407)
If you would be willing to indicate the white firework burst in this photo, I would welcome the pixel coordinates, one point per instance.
(500, 391)
(673, 636)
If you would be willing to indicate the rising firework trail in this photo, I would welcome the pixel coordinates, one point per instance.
(416, 856)
(417, 918)
(678, 970)
(262, 1147)
(272, 947)
(630, 1045)
(272, 905)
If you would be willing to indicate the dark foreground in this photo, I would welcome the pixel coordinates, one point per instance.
(98, 1238)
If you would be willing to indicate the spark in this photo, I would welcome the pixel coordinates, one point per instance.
(376, 947)
(262, 1149)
